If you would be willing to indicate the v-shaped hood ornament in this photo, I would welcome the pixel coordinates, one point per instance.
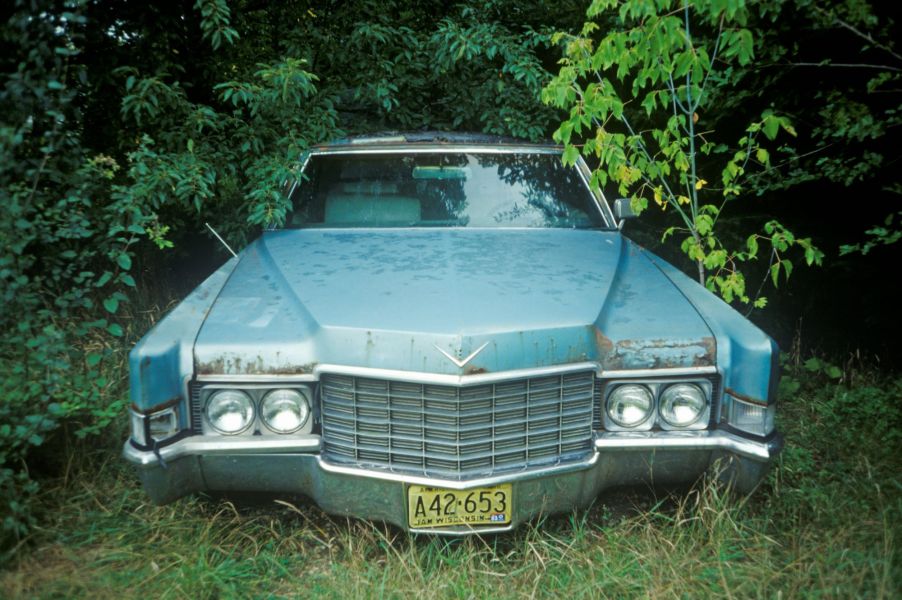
(461, 362)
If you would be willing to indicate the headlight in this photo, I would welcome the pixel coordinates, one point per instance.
(682, 404)
(284, 411)
(230, 411)
(630, 405)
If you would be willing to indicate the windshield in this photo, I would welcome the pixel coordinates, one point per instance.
(442, 190)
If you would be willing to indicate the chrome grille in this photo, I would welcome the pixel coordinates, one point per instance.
(457, 432)
(196, 416)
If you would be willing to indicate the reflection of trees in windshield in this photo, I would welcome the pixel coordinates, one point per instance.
(543, 178)
(442, 201)
(443, 189)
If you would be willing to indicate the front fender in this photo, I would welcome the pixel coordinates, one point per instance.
(746, 356)
(163, 359)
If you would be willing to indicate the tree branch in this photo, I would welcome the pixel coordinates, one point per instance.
(837, 65)
(865, 36)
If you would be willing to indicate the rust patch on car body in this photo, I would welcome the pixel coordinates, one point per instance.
(604, 343)
(745, 397)
(657, 353)
(236, 366)
(156, 407)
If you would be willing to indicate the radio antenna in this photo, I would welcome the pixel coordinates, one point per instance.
(219, 237)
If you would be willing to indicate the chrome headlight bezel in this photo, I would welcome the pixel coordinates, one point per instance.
(658, 386)
(256, 392)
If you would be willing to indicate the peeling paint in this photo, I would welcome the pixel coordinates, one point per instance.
(745, 397)
(235, 366)
(605, 345)
(145, 410)
(658, 353)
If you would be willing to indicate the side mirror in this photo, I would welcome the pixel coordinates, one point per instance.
(623, 209)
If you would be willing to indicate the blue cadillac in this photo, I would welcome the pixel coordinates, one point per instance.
(449, 334)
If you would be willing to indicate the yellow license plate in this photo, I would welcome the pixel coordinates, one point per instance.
(437, 507)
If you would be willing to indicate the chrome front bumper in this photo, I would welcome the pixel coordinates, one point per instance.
(293, 466)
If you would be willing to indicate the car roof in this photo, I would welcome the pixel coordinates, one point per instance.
(430, 138)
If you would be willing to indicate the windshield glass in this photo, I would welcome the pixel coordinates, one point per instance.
(442, 190)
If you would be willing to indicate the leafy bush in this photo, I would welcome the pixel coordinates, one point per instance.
(64, 264)
(846, 409)
(840, 468)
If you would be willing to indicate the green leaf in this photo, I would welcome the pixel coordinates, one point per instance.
(787, 268)
(115, 330)
(775, 274)
(752, 245)
(124, 261)
(571, 154)
(771, 127)
(111, 304)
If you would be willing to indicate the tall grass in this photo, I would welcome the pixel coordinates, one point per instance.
(824, 524)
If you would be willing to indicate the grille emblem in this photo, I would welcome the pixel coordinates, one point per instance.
(461, 362)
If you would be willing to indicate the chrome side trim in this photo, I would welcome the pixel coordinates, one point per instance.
(688, 440)
(458, 485)
(456, 380)
(585, 174)
(217, 444)
(256, 378)
(427, 148)
(668, 372)
(449, 379)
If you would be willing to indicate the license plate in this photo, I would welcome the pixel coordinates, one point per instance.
(437, 507)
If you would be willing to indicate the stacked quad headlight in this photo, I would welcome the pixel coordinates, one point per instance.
(669, 405)
(258, 410)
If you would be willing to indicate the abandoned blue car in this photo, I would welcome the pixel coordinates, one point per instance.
(449, 334)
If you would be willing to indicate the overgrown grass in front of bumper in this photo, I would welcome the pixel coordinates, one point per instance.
(824, 524)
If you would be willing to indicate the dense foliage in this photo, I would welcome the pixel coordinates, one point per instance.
(124, 126)
(639, 100)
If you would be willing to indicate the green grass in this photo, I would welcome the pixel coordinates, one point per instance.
(825, 524)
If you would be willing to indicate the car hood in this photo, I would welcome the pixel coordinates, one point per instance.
(425, 299)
